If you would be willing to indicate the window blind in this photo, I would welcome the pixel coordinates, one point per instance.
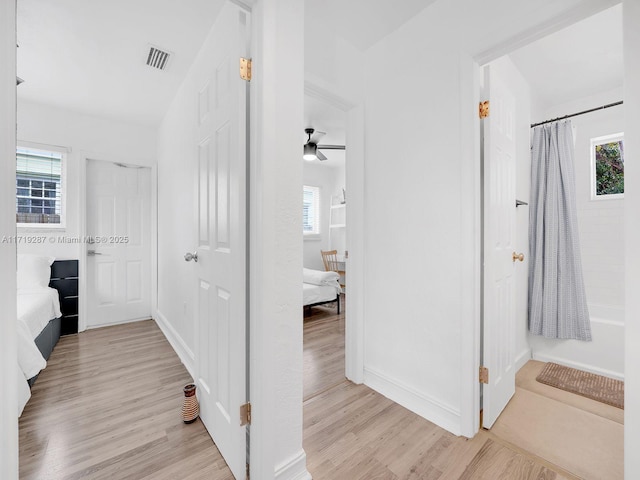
(311, 210)
(38, 186)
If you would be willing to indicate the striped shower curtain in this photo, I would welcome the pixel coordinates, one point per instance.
(557, 298)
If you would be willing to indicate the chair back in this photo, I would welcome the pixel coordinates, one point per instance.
(330, 260)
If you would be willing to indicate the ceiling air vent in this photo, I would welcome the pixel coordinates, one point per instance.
(157, 58)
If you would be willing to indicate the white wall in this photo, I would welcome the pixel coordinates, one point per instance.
(601, 230)
(331, 181)
(84, 136)
(277, 102)
(414, 202)
(505, 69)
(9, 370)
(632, 238)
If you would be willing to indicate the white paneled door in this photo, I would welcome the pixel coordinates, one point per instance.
(220, 266)
(499, 234)
(118, 236)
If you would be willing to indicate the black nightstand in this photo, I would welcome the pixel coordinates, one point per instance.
(64, 278)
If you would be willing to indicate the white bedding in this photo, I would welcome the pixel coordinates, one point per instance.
(319, 293)
(36, 306)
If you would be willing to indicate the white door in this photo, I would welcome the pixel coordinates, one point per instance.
(499, 234)
(221, 266)
(118, 253)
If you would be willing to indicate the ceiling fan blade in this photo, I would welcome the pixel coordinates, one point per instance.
(320, 155)
(332, 147)
(317, 136)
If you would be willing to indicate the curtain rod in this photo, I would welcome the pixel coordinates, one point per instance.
(579, 113)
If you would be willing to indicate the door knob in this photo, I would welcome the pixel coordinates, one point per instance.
(191, 256)
(93, 253)
(518, 256)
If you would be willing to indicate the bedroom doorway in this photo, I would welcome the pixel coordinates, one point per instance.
(325, 254)
(118, 246)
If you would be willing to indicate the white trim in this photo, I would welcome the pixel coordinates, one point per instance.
(354, 184)
(293, 469)
(471, 238)
(426, 406)
(82, 251)
(179, 346)
(615, 137)
(563, 20)
(355, 245)
(578, 365)
(9, 371)
(522, 358)
(122, 322)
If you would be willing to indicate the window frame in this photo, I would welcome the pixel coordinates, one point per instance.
(317, 232)
(64, 152)
(614, 137)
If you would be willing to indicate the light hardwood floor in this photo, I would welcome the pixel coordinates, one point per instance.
(108, 407)
(352, 432)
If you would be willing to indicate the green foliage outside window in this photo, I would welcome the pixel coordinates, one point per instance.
(609, 168)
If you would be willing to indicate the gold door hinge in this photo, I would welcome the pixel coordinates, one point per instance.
(245, 414)
(483, 109)
(484, 375)
(245, 69)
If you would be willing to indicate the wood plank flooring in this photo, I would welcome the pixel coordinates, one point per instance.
(323, 348)
(108, 406)
(353, 433)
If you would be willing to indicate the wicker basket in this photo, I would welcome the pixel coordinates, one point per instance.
(190, 406)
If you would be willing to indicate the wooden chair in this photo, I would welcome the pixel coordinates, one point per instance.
(331, 263)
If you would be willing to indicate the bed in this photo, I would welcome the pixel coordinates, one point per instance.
(38, 320)
(320, 288)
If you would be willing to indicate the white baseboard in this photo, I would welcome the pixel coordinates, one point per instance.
(175, 340)
(580, 366)
(419, 403)
(294, 469)
(110, 324)
(523, 358)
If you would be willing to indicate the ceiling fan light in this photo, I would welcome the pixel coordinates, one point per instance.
(309, 152)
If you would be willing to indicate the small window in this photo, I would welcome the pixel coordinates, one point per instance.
(39, 188)
(607, 167)
(311, 210)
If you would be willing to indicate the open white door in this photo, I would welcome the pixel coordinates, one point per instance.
(221, 262)
(499, 234)
(119, 258)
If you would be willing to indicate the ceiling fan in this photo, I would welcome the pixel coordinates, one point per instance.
(312, 149)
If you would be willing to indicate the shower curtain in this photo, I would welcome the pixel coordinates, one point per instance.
(557, 298)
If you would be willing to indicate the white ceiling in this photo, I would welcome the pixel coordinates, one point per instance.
(363, 22)
(579, 61)
(89, 56)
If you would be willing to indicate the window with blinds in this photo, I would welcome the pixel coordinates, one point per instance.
(39, 186)
(310, 210)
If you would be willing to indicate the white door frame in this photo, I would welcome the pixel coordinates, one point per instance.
(9, 370)
(82, 251)
(470, 92)
(354, 184)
